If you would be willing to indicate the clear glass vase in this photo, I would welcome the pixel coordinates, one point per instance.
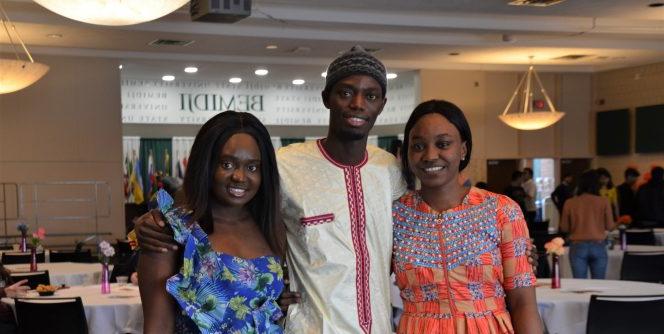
(33, 259)
(23, 247)
(555, 272)
(105, 279)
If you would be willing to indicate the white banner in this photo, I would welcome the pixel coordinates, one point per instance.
(153, 101)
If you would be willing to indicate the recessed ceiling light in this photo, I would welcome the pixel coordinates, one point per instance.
(298, 82)
(453, 53)
(656, 4)
(324, 74)
(235, 80)
(168, 77)
(261, 71)
(271, 47)
(54, 35)
(191, 69)
(120, 66)
(391, 76)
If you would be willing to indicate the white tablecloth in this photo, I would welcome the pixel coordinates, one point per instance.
(116, 313)
(565, 310)
(614, 264)
(68, 273)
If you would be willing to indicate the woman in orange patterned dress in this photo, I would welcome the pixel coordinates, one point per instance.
(459, 253)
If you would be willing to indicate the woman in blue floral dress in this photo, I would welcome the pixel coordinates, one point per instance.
(230, 273)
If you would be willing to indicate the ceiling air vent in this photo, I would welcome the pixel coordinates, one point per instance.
(535, 3)
(572, 57)
(170, 42)
(224, 11)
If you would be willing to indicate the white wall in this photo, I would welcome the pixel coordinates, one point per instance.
(66, 127)
(628, 88)
(483, 95)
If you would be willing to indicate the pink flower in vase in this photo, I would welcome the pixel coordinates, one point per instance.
(38, 237)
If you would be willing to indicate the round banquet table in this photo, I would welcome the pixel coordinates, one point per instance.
(115, 313)
(67, 273)
(614, 264)
(658, 231)
(565, 310)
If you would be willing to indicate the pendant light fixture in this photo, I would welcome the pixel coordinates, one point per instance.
(16, 74)
(526, 118)
(112, 12)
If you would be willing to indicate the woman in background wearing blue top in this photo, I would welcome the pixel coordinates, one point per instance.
(230, 273)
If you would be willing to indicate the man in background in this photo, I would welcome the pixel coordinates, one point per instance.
(650, 201)
(531, 195)
(515, 190)
(627, 192)
(563, 191)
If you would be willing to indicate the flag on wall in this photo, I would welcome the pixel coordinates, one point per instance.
(152, 183)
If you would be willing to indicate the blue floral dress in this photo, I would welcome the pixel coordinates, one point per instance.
(222, 293)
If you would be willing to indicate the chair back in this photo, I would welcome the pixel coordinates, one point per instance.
(640, 236)
(34, 277)
(20, 257)
(71, 256)
(625, 314)
(642, 266)
(51, 315)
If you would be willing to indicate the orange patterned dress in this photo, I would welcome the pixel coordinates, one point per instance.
(454, 267)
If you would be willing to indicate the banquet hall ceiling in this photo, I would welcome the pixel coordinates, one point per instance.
(486, 34)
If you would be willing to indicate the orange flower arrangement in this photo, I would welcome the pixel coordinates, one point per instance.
(625, 220)
(555, 246)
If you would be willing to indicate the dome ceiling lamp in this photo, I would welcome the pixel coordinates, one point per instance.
(527, 119)
(16, 74)
(112, 12)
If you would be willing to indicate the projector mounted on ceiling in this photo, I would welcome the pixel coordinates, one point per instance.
(225, 11)
(535, 3)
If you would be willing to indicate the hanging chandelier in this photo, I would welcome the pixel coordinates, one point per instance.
(527, 119)
(16, 74)
(112, 12)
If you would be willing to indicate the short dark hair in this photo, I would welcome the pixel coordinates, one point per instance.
(630, 171)
(516, 175)
(528, 170)
(453, 114)
(601, 171)
(204, 158)
(588, 183)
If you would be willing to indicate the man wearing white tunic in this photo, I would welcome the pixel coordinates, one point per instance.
(337, 195)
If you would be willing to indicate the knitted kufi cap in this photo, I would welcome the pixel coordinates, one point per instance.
(356, 61)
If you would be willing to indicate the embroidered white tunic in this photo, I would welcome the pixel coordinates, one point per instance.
(339, 227)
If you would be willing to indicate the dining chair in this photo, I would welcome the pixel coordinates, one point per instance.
(20, 257)
(625, 314)
(640, 236)
(51, 315)
(71, 256)
(34, 277)
(642, 266)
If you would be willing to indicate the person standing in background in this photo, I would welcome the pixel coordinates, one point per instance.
(531, 195)
(563, 192)
(587, 217)
(627, 192)
(650, 200)
(608, 190)
(515, 190)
